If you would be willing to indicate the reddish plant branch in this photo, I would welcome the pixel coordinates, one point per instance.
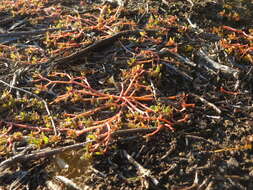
(128, 100)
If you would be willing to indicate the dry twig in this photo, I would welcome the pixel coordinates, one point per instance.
(40, 154)
(30, 33)
(145, 173)
(73, 58)
(207, 103)
(215, 66)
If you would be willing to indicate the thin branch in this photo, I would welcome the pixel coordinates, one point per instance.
(207, 103)
(68, 183)
(21, 157)
(165, 52)
(143, 171)
(93, 47)
(40, 154)
(215, 66)
(33, 32)
(174, 69)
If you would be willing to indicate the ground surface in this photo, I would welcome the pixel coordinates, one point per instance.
(126, 95)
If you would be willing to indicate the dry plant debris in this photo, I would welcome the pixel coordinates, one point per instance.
(165, 84)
